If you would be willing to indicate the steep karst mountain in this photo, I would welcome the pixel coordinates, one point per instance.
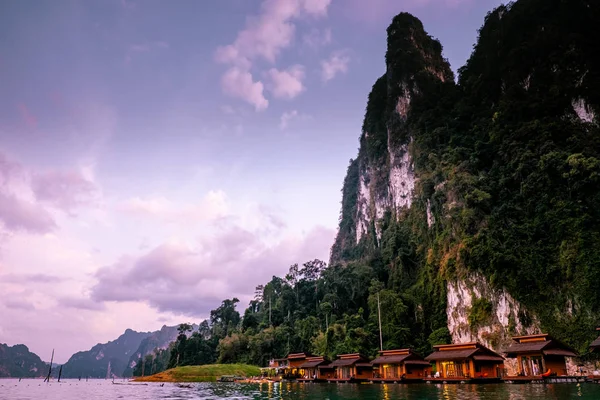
(158, 340)
(477, 201)
(18, 362)
(94, 363)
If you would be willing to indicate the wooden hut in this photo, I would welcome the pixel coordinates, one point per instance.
(276, 368)
(595, 346)
(312, 371)
(466, 362)
(294, 361)
(539, 356)
(351, 368)
(399, 365)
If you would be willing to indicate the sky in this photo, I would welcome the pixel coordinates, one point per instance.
(158, 157)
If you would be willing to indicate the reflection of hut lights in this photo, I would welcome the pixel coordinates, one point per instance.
(386, 392)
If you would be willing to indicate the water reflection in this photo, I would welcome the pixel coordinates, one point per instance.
(101, 390)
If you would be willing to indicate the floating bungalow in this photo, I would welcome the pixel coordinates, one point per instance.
(351, 368)
(399, 366)
(595, 346)
(294, 365)
(466, 362)
(275, 369)
(539, 357)
(315, 370)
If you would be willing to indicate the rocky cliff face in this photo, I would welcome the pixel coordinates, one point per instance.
(479, 194)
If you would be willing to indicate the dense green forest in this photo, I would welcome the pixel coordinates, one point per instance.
(507, 163)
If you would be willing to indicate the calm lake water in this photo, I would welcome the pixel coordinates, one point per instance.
(100, 389)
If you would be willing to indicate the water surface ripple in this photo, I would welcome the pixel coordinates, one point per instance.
(35, 389)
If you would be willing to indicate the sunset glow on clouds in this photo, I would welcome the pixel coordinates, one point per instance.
(155, 160)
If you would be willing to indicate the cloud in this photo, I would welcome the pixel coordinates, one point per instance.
(31, 278)
(19, 305)
(22, 215)
(191, 280)
(267, 34)
(317, 38)
(317, 7)
(17, 212)
(264, 37)
(286, 117)
(25, 193)
(337, 63)
(286, 84)
(81, 303)
(212, 206)
(240, 84)
(63, 189)
(27, 117)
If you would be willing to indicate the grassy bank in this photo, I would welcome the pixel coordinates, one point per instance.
(201, 373)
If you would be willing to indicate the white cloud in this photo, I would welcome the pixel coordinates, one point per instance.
(286, 84)
(264, 37)
(286, 117)
(190, 279)
(336, 64)
(239, 83)
(212, 206)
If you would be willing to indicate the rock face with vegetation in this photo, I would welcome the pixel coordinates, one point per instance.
(480, 198)
(471, 212)
(18, 362)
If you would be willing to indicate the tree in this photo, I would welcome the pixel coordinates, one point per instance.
(225, 318)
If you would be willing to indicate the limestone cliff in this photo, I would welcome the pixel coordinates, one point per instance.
(480, 197)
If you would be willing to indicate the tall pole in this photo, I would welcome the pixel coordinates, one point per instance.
(50, 369)
(379, 314)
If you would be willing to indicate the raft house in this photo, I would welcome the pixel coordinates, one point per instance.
(404, 365)
(275, 370)
(540, 359)
(315, 369)
(465, 363)
(595, 346)
(351, 368)
(294, 369)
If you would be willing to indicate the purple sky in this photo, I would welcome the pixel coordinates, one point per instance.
(157, 157)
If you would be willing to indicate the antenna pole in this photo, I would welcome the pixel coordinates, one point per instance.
(379, 315)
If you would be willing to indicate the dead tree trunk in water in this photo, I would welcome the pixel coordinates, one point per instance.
(50, 370)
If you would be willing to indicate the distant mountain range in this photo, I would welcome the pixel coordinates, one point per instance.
(18, 361)
(115, 358)
(105, 359)
(156, 340)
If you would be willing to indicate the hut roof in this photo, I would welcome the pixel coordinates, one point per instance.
(463, 351)
(543, 343)
(313, 362)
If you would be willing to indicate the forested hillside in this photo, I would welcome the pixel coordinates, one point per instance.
(18, 361)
